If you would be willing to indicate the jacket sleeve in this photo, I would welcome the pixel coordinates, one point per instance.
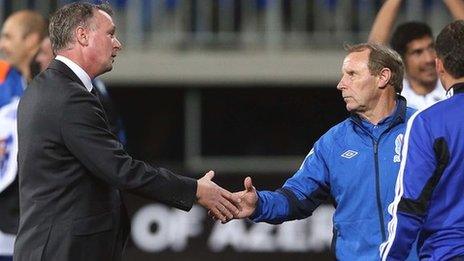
(85, 133)
(424, 159)
(300, 195)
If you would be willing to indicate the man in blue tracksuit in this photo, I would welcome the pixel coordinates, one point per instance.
(11, 88)
(429, 201)
(356, 162)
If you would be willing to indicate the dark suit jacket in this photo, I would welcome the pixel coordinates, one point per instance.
(71, 171)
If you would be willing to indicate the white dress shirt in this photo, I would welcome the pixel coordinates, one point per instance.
(83, 76)
(420, 102)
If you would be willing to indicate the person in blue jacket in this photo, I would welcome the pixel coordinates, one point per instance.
(356, 162)
(21, 34)
(429, 200)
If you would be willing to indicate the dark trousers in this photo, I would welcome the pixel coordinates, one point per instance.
(6, 258)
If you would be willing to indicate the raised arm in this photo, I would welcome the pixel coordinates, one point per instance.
(383, 23)
(456, 7)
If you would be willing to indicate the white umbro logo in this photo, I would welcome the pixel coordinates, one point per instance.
(349, 154)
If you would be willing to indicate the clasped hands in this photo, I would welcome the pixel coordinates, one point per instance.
(223, 205)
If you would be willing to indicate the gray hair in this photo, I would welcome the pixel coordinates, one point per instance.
(382, 57)
(68, 18)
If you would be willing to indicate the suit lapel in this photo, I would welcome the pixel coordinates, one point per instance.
(63, 68)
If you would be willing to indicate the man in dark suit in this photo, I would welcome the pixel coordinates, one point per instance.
(71, 168)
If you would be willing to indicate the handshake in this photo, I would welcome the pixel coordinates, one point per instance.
(223, 205)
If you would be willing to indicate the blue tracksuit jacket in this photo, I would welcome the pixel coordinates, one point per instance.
(429, 199)
(355, 163)
(11, 83)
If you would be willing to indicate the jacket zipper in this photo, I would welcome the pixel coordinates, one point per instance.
(377, 189)
(377, 175)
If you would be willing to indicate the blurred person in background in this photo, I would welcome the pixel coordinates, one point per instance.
(72, 169)
(414, 42)
(43, 59)
(429, 201)
(355, 163)
(45, 54)
(21, 35)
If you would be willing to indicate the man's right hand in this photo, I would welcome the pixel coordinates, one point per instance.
(222, 204)
(249, 199)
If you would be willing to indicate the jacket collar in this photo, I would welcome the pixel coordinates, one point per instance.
(63, 68)
(458, 87)
(398, 118)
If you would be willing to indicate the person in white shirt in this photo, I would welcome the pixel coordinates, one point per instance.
(414, 42)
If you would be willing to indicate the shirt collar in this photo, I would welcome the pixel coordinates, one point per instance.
(83, 76)
(438, 92)
(457, 88)
(396, 117)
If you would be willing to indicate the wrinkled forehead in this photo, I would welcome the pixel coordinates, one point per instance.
(358, 59)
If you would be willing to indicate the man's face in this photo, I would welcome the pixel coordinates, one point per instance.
(45, 54)
(103, 44)
(358, 85)
(419, 61)
(12, 42)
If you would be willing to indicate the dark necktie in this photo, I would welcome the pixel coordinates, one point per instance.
(97, 95)
(94, 92)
